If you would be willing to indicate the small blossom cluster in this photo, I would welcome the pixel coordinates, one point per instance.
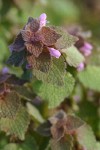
(36, 39)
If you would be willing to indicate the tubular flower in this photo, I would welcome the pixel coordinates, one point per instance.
(54, 52)
(86, 49)
(43, 20)
(80, 67)
(5, 70)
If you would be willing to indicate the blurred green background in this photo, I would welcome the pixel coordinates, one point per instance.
(14, 14)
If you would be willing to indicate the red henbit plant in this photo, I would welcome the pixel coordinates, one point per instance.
(49, 58)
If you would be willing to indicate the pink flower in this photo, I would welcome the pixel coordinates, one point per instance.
(54, 52)
(80, 66)
(43, 20)
(5, 70)
(86, 49)
(28, 66)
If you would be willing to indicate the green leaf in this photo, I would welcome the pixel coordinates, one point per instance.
(29, 144)
(97, 146)
(9, 105)
(34, 112)
(24, 92)
(73, 56)
(90, 77)
(86, 138)
(56, 94)
(56, 73)
(66, 39)
(16, 126)
(11, 146)
(90, 115)
(3, 49)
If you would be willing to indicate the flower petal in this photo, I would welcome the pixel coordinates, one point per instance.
(86, 49)
(54, 52)
(43, 20)
(5, 70)
(80, 67)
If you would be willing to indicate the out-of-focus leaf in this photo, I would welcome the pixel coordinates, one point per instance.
(33, 111)
(11, 146)
(9, 105)
(86, 137)
(3, 49)
(94, 59)
(97, 146)
(90, 77)
(56, 94)
(16, 126)
(29, 144)
(90, 115)
(4, 77)
(73, 56)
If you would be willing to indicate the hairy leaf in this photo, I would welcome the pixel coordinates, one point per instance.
(16, 126)
(41, 63)
(56, 94)
(49, 36)
(9, 104)
(34, 48)
(56, 73)
(23, 92)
